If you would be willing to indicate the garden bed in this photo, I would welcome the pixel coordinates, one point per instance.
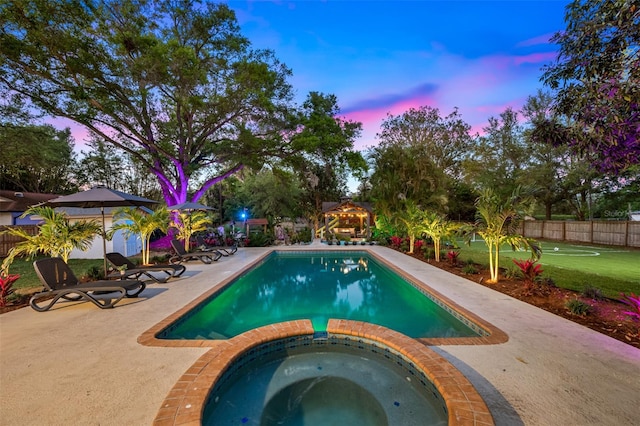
(605, 315)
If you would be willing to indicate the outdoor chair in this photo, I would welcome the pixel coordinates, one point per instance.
(224, 250)
(181, 255)
(60, 282)
(134, 271)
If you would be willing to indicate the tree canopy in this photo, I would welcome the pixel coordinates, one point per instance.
(418, 159)
(597, 76)
(36, 158)
(173, 83)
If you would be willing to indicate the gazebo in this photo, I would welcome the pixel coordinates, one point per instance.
(347, 217)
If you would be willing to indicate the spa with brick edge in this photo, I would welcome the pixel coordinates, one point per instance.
(184, 405)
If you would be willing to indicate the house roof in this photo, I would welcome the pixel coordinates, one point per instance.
(15, 201)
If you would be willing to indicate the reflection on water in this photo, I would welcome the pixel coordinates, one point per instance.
(318, 287)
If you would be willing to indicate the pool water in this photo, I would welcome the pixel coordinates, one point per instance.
(317, 286)
(317, 384)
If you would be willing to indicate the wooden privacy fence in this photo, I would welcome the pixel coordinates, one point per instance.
(7, 241)
(606, 232)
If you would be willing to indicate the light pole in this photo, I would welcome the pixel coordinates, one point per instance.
(244, 219)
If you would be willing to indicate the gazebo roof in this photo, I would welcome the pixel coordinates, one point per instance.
(345, 206)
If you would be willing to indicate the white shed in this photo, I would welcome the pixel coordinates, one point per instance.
(126, 246)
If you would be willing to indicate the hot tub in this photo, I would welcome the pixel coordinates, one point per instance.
(324, 380)
(352, 373)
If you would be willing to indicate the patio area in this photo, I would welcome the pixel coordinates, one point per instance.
(81, 365)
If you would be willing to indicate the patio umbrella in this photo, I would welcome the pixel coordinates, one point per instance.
(100, 196)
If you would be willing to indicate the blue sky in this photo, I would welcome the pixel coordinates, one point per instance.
(381, 57)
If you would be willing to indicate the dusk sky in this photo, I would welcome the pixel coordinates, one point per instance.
(382, 57)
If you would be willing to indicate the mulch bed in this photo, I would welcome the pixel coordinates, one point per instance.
(606, 315)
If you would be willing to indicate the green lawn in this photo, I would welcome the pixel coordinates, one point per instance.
(29, 281)
(613, 270)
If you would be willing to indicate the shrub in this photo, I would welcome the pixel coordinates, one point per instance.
(6, 287)
(259, 239)
(95, 273)
(530, 270)
(305, 235)
(469, 269)
(452, 255)
(591, 292)
(512, 272)
(633, 301)
(160, 259)
(396, 242)
(578, 307)
(417, 246)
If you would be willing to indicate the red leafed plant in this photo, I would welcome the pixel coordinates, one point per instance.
(418, 245)
(6, 284)
(633, 301)
(396, 242)
(530, 270)
(452, 255)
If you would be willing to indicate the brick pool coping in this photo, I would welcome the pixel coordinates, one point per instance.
(185, 402)
(184, 405)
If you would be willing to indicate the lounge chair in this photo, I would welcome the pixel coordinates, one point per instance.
(60, 282)
(224, 250)
(181, 255)
(134, 271)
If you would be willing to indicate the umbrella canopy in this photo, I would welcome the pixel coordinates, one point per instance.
(190, 205)
(100, 196)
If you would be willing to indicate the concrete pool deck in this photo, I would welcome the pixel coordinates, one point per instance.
(78, 364)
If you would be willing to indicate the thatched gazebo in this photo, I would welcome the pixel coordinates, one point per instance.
(347, 217)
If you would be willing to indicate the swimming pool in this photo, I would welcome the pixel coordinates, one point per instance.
(225, 363)
(353, 285)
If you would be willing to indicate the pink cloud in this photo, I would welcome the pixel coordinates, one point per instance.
(535, 41)
(534, 58)
(388, 100)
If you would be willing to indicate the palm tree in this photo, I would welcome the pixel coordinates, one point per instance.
(188, 224)
(56, 237)
(136, 222)
(497, 222)
(438, 229)
(411, 218)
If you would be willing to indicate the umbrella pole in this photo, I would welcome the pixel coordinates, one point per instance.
(104, 244)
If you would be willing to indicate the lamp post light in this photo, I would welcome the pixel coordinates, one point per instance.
(244, 216)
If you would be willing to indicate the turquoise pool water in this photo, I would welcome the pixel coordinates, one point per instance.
(318, 286)
(321, 382)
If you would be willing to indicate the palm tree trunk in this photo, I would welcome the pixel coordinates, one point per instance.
(493, 262)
